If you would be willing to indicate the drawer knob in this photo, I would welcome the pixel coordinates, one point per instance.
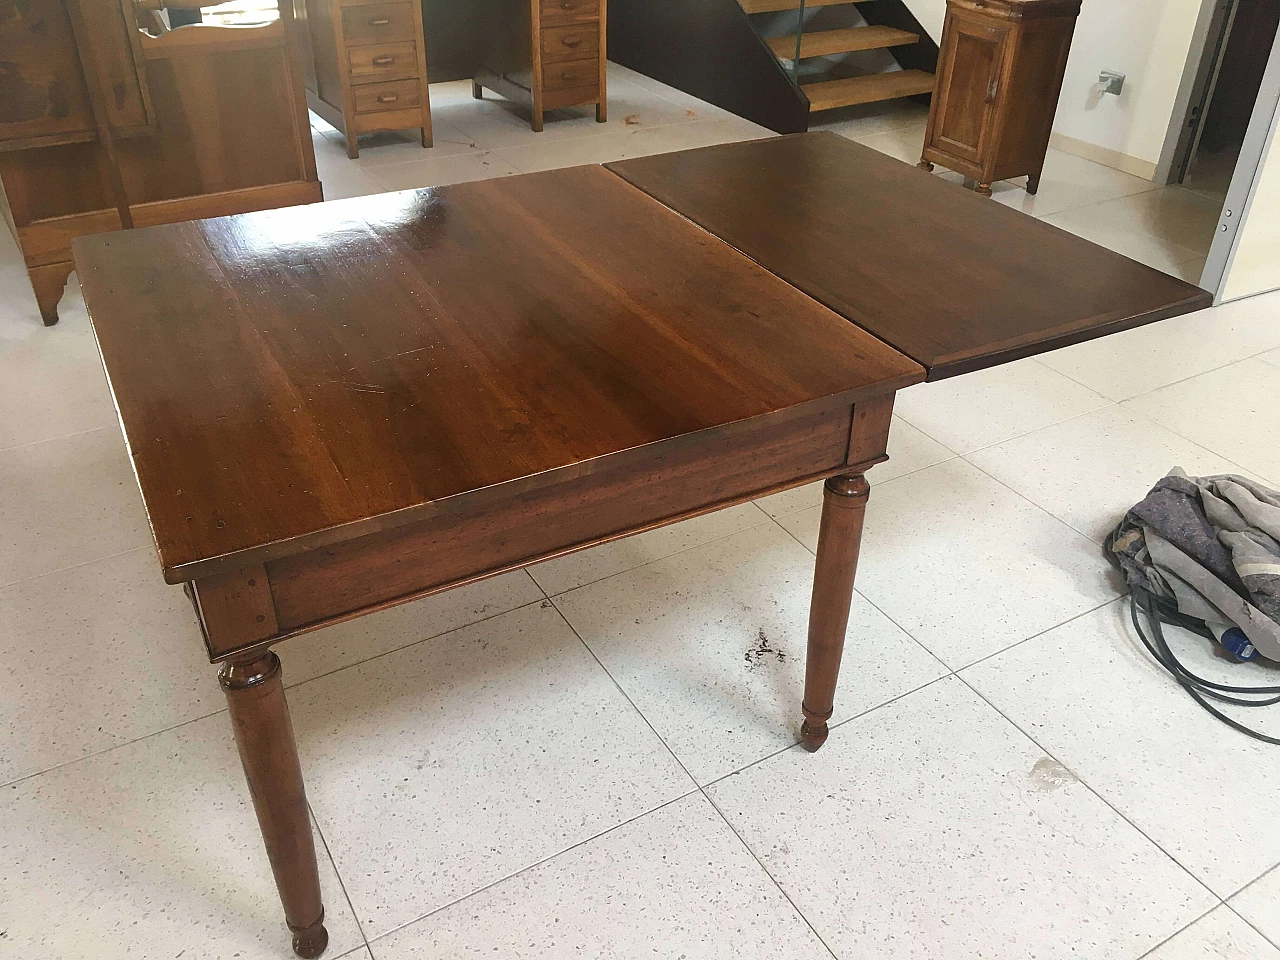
(383, 61)
(379, 21)
(568, 4)
(568, 75)
(572, 41)
(388, 97)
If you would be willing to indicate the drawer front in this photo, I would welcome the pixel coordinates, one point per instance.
(371, 22)
(391, 95)
(383, 61)
(478, 538)
(569, 9)
(574, 41)
(571, 75)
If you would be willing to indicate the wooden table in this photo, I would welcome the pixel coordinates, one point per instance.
(336, 408)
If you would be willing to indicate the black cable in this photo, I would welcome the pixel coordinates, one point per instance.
(1198, 687)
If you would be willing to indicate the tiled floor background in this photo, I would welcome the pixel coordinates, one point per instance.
(595, 757)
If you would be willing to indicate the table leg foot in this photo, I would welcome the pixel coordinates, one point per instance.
(310, 942)
(983, 189)
(844, 503)
(264, 735)
(925, 165)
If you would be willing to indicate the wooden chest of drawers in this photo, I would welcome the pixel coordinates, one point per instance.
(368, 68)
(546, 54)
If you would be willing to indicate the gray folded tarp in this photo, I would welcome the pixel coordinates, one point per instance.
(1211, 545)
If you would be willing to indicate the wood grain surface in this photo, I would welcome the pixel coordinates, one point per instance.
(954, 281)
(298, 377)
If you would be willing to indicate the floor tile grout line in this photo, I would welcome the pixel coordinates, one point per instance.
(1274, 868)
(61, 436)
(832, 728)
(342, 884)
(665, 556)
(1249, 923)
(288, 687)
(1180, 931)
(525, 869)
(1040, 633)
(618, 686)
(68, 569)
(746, 846)
(1027, 433)
(698, 786)
(1088, 786)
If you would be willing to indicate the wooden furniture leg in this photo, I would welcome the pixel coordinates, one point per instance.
(48, 283)
(264, 736)
(1033, 183)
(477, 91)
(983, 189)
(925, 165)
(602, 112)
(844, 502)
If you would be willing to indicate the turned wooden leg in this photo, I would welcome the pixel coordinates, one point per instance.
(983, 189)
(925, 165)
(602, 112)
(477, 91)
(844, 501)
(48, 282)
(264, 735)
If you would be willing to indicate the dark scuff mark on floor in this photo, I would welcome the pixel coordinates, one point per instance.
(762, 650)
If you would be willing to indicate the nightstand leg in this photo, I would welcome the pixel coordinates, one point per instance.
(983, 189)
(264, 735)
(925, 165)
(1033, 183)
(844, 502)
(426, 138)
(353, 147)
(537, 120)
(477, 91)
(602, 112)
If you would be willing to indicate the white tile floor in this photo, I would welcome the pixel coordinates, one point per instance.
(595, 758)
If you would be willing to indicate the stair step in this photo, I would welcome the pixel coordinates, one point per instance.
(773, 6)
(829, 94)
(824, 43)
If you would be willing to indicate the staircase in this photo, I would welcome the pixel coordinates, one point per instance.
(831, 94)
(830, 54)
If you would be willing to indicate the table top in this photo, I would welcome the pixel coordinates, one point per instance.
(296, 377)
(954, 280)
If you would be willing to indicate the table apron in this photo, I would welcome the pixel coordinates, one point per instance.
(261, 604)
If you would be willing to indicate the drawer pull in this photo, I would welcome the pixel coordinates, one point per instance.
(568, 4)
(388, 97)
(379, 21)
(572, 42)
(569, 76)
(383, 61)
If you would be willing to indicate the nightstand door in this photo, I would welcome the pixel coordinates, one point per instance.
(972, 65)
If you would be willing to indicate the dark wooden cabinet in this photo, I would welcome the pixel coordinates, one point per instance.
(546, 54)
(999, 76)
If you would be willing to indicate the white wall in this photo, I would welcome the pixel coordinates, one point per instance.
(1255, 267)
(1147, 40)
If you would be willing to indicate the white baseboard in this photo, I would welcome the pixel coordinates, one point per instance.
(1104, 155)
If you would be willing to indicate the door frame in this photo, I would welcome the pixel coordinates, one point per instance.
(1239, 203)
(1208, 45)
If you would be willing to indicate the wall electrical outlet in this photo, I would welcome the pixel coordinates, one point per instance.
(1111, 82)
